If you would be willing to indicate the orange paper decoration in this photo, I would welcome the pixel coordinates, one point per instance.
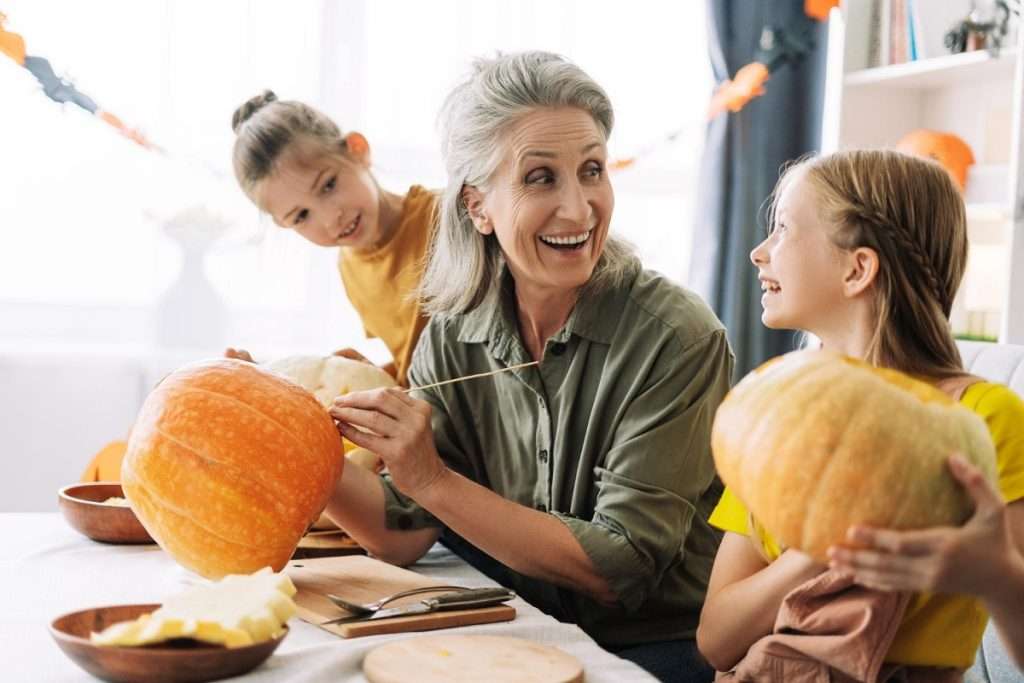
(747, 84)
(819, 9)
(11, 44)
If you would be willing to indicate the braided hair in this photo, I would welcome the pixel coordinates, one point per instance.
(911, 214)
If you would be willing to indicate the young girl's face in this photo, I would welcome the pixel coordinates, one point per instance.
(799, 267)
(330, 200)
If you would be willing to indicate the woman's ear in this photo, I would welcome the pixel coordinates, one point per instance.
(473, 198)
(860, 270)
(358, 148)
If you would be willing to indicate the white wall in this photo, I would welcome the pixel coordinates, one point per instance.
(84, 260)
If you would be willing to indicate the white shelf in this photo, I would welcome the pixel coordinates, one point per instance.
(975, 95)
(988, 212)
(988, 224)
(938, 72)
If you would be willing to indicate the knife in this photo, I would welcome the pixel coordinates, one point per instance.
(467, 599)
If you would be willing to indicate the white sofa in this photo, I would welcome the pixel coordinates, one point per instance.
(1001, 363)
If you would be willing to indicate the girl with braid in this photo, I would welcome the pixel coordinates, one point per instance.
(866, 250)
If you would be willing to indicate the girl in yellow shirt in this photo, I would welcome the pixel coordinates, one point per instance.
(866, 250)
(294, 163)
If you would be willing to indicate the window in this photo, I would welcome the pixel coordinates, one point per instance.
(82, 255)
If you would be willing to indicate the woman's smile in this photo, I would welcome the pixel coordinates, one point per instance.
(566, 242)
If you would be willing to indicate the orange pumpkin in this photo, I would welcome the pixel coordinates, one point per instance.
(813, 443)
(950, 151)
(228, 464)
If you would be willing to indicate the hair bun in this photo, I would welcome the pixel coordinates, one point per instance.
(251, 106)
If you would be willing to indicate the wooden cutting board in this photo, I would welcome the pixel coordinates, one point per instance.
(469, 659)
(363, 579)
(327, 544)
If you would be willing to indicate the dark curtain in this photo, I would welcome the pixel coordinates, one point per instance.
(743, 154)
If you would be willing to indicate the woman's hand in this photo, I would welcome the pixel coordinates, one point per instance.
(397, 428)
(967, 559)
(238, 354)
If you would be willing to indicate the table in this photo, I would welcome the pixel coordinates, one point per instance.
(47, 569)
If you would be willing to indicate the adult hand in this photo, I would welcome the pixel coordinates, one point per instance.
(238, 354)
(967, 559)
(396, 427)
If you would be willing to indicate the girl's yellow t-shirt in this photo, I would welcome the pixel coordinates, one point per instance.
(937, 629)
(382, 285)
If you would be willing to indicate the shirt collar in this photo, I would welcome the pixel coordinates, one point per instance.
(595, 316)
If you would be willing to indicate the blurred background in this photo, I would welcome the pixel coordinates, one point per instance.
(118, 262)
(127, 249)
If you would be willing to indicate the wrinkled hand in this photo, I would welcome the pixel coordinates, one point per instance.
(397, 428)
(238, 354)
(965, 559)
(352, 354)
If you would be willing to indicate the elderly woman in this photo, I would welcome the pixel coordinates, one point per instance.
(583, 482)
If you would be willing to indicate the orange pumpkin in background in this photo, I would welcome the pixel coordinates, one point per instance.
(228, 464)
(950, 151)
(812, 443)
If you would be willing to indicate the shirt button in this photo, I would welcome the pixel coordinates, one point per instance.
(543, 455)
(557, 349)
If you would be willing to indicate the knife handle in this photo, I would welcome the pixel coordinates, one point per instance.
(474, 597)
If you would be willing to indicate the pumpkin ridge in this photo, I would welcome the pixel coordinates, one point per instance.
(904, 507)
(291, 436)
(242, 472)
(273, 495)
(225, 554)
(166, 506)
(250, 408)
(793, 383)
(811, 517)
(764, 423)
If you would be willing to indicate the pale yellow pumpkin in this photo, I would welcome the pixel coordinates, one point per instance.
(813, 443)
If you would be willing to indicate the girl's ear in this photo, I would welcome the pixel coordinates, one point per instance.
(861, 269)
(358, 148)
(474, 201)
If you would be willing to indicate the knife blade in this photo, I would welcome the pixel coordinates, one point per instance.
(467, 599)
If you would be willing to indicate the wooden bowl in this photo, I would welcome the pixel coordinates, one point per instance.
(176, 661)
(85, 511)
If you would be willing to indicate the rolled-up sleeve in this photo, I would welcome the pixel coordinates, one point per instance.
(657, 469)
(402, 512)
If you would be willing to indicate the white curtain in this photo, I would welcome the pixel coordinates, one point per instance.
(83, 259)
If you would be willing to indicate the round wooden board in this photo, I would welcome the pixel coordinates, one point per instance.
(448, 659)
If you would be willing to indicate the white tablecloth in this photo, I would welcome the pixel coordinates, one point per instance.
(47, 569)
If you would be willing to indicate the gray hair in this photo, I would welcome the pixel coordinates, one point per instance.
(463, 264)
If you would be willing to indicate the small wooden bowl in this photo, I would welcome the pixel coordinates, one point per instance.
(84, 509)
(178, 661)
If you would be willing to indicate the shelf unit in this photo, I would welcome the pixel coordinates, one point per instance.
(979, 96)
